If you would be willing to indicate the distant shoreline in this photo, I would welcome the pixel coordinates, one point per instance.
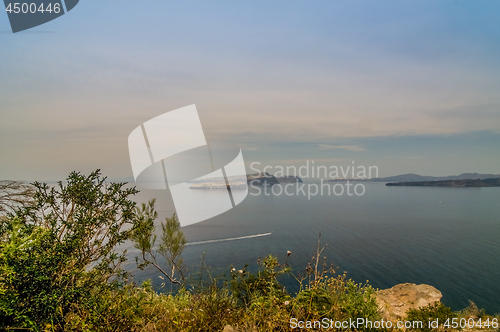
(413, 178)
(494, 182)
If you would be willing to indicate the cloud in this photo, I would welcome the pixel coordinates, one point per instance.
(341, 147)
(331, 161)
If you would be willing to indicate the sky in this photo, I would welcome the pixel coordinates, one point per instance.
(407, 86)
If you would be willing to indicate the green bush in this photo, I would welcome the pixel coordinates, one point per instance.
(60, 249)
(472, 311)
(247, 286)
(430, 313)
(338, 298)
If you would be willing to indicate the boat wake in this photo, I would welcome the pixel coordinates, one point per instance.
(228, 239)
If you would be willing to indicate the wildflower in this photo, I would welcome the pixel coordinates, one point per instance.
(287, 302)
(288, 253)
(240, 271)
(233, 269)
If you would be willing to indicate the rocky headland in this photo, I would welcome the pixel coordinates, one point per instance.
(395, 302)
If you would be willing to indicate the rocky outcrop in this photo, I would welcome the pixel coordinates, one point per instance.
(396, 301)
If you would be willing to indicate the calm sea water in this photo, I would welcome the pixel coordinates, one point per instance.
(444, 237)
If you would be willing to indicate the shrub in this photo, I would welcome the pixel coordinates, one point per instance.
(171, 245)
(59, 250)
(472, 311)
(430, 313)
(247, 286)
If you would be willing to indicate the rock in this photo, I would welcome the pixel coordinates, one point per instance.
(396, 301)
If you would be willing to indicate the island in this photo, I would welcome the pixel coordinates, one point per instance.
(411, 177)
(241, 182)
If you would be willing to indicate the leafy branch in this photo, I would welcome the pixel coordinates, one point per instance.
(171, 245)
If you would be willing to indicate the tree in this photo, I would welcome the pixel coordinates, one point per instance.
(59, 250)
(171, 245)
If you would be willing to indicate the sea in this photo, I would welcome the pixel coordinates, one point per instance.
(445, 237)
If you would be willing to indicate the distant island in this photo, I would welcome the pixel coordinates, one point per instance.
(493, 182)
(411, 177)
(261, 179)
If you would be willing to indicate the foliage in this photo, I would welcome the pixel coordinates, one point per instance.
(248, 302)
(135, 308)
(246, 286)
(430, 313)
(171, 245)
(60, 249)
(472, 311)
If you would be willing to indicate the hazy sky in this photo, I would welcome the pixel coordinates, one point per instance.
(409, 86)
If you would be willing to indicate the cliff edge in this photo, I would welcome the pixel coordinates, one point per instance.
(395, 302)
